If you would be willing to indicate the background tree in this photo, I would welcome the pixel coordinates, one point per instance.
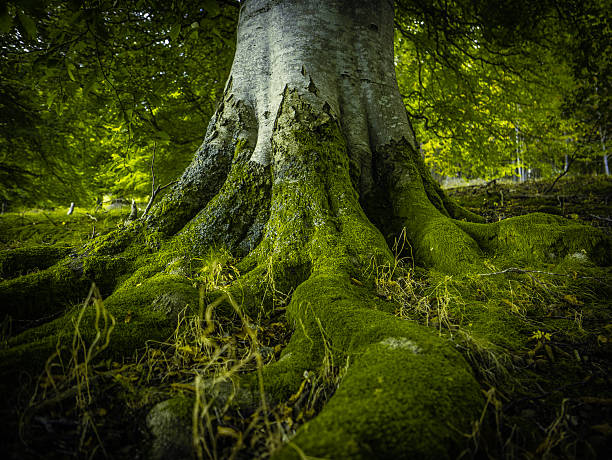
(472, 74)
(109, 81)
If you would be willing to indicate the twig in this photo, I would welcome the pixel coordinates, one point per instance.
(571, 160)
(573, 157)
(523, 271)
(155, 191)
(50, 220)
(607, 219)
(542, 285)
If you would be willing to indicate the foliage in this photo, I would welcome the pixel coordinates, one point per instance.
(90, 87)
(492, 88)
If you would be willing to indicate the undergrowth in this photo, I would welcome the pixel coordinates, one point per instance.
(53, 227)
(79, 406)
(538, 341)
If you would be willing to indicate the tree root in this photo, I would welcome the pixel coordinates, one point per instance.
(298, 222)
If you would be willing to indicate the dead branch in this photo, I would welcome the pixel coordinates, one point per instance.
(154, 191)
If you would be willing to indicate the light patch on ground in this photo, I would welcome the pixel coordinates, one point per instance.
(581, 256)
(401, 342)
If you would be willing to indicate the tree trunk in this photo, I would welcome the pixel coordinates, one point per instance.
(605, 154)
(307, 171)
(320, 166)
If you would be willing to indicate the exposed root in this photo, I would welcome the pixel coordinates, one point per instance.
(398, 370)
(298, 231)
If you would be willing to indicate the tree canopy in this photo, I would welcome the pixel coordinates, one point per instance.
(91, 89)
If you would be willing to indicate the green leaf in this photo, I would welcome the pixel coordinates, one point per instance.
(91, 85)
(50, 98)
(175, 30)
(28, 25)
(6, 21)
(70, 68)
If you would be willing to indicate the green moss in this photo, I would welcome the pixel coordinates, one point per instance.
(46, 293)
(169, 422)
(420, 208)
(402, 377)
(141, 313)
(41, 294)
(37, 227)
(19, 261)
(199, 184)
(458, 245)
(540, 238)
(316, 221)
(105, 270)
(235, 217)
(393, 404)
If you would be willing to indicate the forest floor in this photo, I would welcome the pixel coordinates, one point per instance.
(542, 355)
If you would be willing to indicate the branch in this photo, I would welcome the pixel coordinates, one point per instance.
(523, 271)
(571, 160)
(154, 190)
(49, 219)
(606, 219)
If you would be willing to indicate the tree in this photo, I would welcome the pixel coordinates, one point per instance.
(308, 171)
(85, 99)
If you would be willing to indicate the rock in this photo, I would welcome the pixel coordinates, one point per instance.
(169, 422)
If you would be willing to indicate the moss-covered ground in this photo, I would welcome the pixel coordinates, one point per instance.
(538, 338)
(44, 227)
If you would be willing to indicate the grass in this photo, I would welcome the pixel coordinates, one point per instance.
(55, 227)
(538, 342)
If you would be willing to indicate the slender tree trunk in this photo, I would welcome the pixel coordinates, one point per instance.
(605, 154)
(566, 156)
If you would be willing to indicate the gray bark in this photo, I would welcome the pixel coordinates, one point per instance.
(605, 154)
(337, 55)
(334, 52)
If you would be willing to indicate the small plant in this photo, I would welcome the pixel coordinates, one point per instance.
(75, 379)
(541, 336)
(215, 270)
